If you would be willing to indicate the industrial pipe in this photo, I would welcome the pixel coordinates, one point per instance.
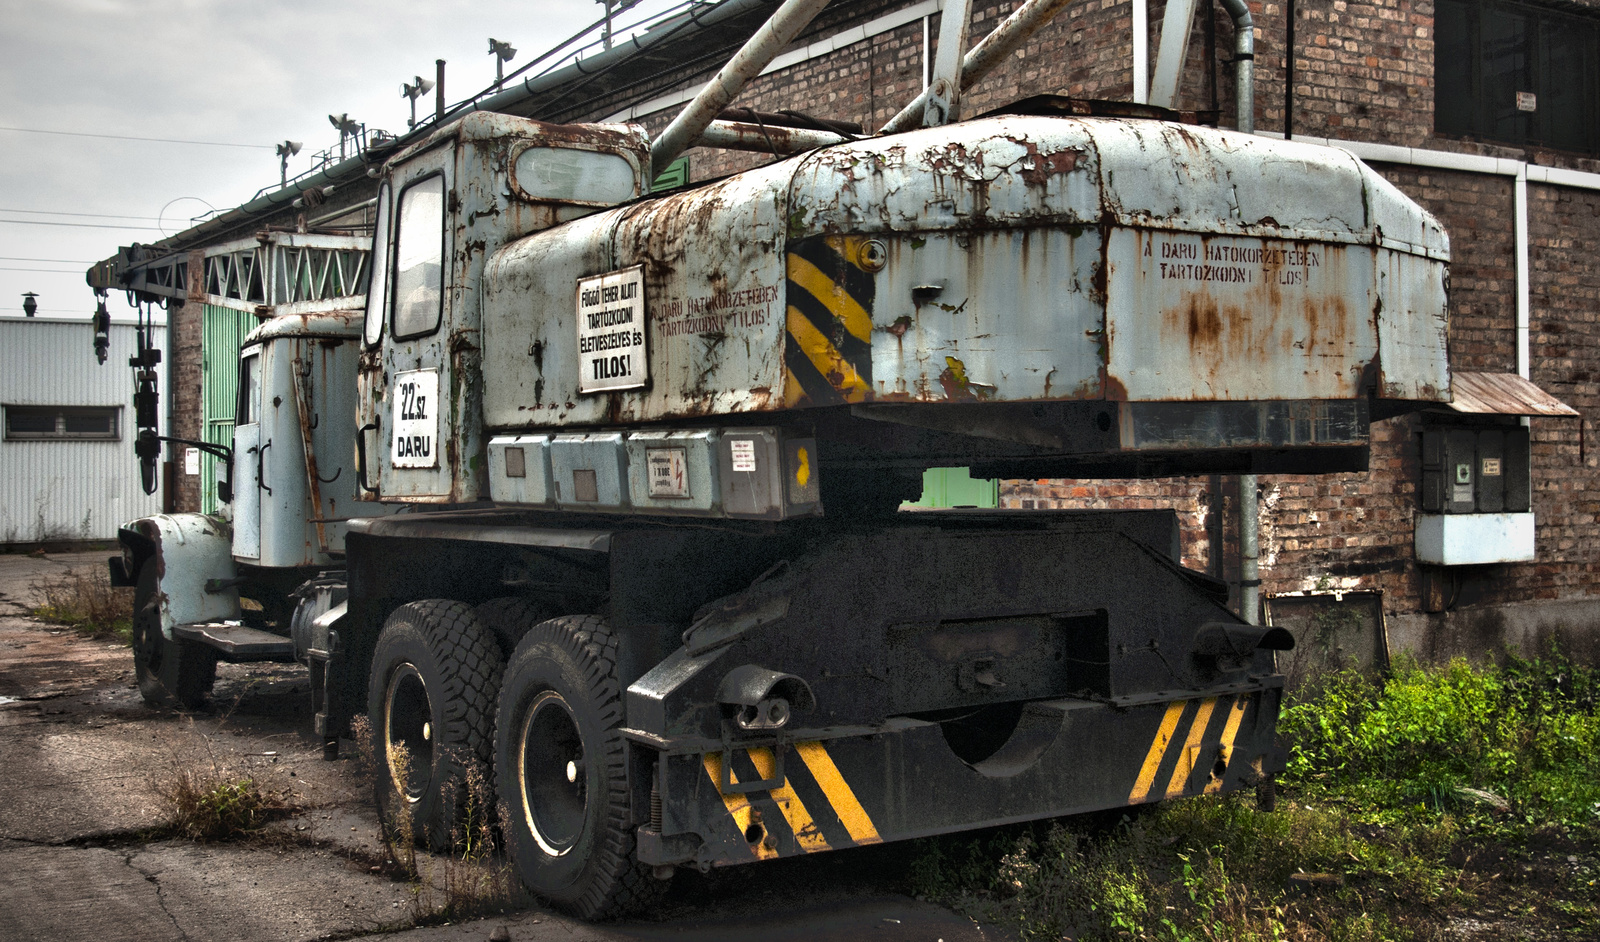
(1249, 551)
(771, 39)
(1023, 22)
(767, 138)
(1244, 64)
(1244, 55)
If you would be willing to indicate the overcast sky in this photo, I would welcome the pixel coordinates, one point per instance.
(221, 71)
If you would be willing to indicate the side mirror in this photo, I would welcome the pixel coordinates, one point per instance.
(225, 480)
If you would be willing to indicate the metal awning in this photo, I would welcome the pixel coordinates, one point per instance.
(1503, 394)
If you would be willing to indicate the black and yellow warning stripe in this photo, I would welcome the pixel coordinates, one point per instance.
(813, 809)
(828, 345)
(1166, 771)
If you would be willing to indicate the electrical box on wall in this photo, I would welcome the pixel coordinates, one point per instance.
(1476, 495)
(1475, 470)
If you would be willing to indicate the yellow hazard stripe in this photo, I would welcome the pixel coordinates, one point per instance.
(739, 806)
(1191, 748)
(838, 792)
(828, 361)
(1158, 749)
(832, 296)
(806, 833)
(1229, 733)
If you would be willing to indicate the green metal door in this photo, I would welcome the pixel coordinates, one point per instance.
(956, 487)
(222, 332)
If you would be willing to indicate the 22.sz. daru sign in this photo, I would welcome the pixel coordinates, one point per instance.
(414, 443)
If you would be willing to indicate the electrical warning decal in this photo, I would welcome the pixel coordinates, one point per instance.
(611, 344)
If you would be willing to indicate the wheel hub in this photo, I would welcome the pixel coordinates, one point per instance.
(554, 790)
(408, 731)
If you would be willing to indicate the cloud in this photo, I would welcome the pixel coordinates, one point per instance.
(210, 70)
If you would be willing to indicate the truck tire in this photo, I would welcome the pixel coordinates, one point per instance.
(561, 766)
(170, 672)
(510, 618)
(435, 676)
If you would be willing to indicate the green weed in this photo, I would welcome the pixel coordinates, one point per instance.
(1438, 795)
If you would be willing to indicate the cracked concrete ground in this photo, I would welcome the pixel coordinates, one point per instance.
(84, 763)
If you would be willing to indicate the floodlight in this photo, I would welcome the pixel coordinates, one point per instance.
(503, 53)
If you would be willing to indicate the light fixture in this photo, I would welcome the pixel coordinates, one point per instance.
(29, 305)
(348, 128)
(418, 87)
(286, 150)
(503, 53)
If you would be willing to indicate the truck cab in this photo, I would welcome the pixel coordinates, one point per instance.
(444, 207)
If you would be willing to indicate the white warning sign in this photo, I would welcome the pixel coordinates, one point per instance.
(416, 420)
(611, 350)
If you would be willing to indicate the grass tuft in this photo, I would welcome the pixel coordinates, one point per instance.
(203, 806)
(87, 601)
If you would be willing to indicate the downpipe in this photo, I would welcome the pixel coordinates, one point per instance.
(1244, 60)
(1244, 64)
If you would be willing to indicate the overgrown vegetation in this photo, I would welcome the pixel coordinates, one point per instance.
(1448, 802)
(207, 797)
(206, 805)
(472, 878)
(86, 601)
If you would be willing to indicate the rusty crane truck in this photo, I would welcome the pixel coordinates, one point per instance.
(627, 470)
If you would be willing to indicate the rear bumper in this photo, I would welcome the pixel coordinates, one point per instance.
(819, 790)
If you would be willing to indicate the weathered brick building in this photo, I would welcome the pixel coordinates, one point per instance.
(1485, 112)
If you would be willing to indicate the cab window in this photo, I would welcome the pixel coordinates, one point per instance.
(249, 408)
(419, 258)
(378, 290)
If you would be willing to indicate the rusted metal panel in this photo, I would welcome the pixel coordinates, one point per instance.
(1191, 317)
(1413, 327)
(1012, 258)
(714, 276)
(1503, 394)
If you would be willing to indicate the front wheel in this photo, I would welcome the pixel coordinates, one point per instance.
(430, 700)
(561, 768)
(170, 671)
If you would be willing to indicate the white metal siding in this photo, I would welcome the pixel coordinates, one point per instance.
(60, 490)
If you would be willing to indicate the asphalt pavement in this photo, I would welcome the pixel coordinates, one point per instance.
(84, 766)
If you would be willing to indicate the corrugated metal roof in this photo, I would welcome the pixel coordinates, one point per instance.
(1503, 394)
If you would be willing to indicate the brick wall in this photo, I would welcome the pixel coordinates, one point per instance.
(185, 381)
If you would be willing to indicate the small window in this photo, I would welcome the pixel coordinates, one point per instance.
(63, 423)
(378, 290)
(569, 175)
(249, 391)
(419, 259)
(1517, 73)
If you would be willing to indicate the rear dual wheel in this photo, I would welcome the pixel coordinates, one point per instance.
(561, 769)
(430, 699)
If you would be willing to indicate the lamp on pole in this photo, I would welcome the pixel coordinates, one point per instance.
(286, 150)
(413, 90)
(503, 53)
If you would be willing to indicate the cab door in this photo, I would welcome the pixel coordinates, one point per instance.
(405, 378)
(247, 459)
